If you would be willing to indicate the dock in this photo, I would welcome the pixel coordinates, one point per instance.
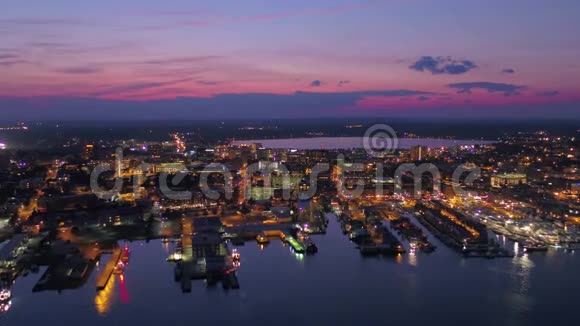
(109, 269)
(412, 233)
(457, 232)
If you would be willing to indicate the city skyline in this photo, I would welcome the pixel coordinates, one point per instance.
(256, 59)
(298, 162)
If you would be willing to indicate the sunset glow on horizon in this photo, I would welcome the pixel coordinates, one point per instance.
(293, 59)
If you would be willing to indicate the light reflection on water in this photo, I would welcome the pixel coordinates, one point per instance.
(336, 285)
(522, 269)
(399, 259)
(412, 257)
(105, 298)
(518, 296)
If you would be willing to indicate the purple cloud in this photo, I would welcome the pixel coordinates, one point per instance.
(137, 87)
(208, 83)
(8, 56)
(179, 60)
(81, 70)
(506, 89)
(548, 93)
(442, 65)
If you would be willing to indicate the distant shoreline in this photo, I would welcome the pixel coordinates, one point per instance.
(356, 142)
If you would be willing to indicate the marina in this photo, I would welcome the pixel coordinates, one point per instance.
(370, 239)
(149, 270)
(413, 234)
(370, 162)
(467, 237)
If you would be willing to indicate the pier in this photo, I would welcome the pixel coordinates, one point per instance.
(412, 233)
(455, 231)
(109, 269)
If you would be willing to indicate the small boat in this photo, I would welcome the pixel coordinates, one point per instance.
(120, 268)
(262, 239)
(532, 247)
(369, 249)
(230, 281)
(125, 255)
(572, 247)
(175, 257)
(5, 295)
(359, 234)
(235, 255)
(311, 248)
(428, 248)
(5, 306)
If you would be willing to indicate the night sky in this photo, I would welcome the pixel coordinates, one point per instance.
(181, 59)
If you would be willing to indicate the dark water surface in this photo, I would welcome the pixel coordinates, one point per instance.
(336, 286)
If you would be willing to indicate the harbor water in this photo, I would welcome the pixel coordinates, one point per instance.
(336, 286)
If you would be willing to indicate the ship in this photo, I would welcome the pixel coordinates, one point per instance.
(5, 306)
(125, 254)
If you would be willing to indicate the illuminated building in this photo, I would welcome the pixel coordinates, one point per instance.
(155, 150)
(508, 180)
(118, 164)
(89, 152)
(418, 153)
(575, 188)
(169, 168)
(265, 154)
(262, 193)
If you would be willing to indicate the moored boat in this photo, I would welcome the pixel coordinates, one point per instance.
(5, 295)
(533, 247)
